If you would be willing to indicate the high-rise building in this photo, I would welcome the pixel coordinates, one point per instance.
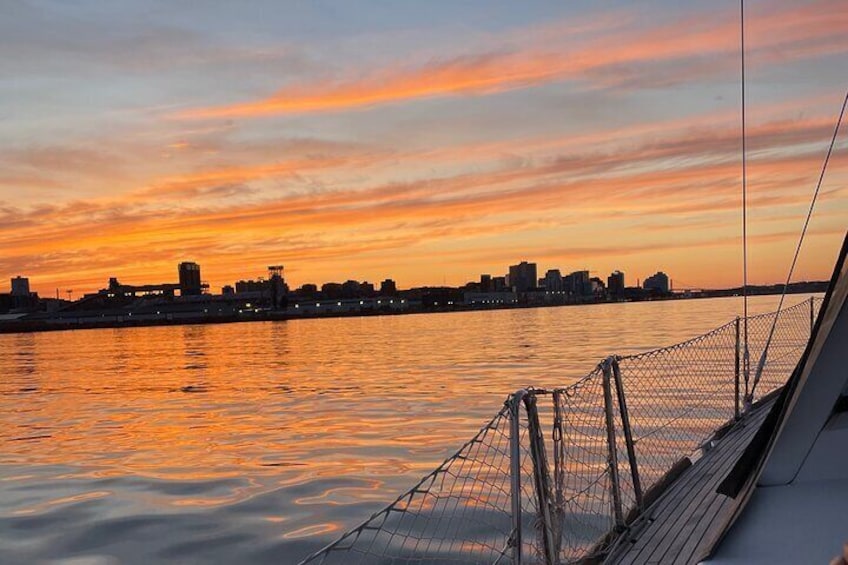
(522, 277)
(190, 284)
(615, 283)
(578, 283)
(553, 280)
(278, 286)
(657, 282)
(20, 286)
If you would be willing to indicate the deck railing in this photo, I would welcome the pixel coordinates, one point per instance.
(558, 474)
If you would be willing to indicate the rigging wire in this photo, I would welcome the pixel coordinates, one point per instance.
(764, 355)
(746, 362)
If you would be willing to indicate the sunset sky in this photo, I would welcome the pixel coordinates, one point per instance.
(425, 141)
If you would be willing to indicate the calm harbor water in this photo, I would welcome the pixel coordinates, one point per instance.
(261, 442)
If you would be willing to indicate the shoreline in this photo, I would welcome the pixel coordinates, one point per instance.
(42, 326)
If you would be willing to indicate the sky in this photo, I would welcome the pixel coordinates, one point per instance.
(428, 142)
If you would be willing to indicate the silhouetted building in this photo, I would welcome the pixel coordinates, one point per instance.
(615, 283)
(553, 281)
(251, 286)
(350, 289)
(20, 287)
(597, 285)
(227, 290)
(278, 287)
(307, 290)
(190, 284)
(486, 283)
(499, 284)
(657, 282)
(366, 289)
(578, 283)
(331, 290)
(440, 297)
(388, 287)
(522, 277)
(489, 299)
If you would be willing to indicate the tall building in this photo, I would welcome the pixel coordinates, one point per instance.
(658, 282)
(615, 283)
(522, 277)
(578, 283)
(553, 280)
(278, 286)
(20, 286)
(190, 284)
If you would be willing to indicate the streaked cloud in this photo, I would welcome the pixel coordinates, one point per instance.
(695, 47)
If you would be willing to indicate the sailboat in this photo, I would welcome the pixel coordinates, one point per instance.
(791, 484)
(774, 489)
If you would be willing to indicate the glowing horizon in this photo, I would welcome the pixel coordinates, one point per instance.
(428, 145)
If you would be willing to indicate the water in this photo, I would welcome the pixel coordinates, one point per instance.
(261, 442)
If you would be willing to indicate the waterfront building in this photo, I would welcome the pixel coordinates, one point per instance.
(388, 288)
(366, 289)
(116, 290)
(522, 277)
(499, 284)
(331, 290)
(20, 287)
(190, 284)
(251, 286)
(350, 289)
(553, 281)
(657, 282)
(615, 283)
(489, 299)
(279, 288)
(486, 283)
(348, 306)
(597, 285)
(578, 283)
(307, 291)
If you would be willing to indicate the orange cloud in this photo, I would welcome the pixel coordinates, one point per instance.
(610, 60)
(321, 232)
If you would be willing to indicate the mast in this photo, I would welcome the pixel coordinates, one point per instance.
(746, 363)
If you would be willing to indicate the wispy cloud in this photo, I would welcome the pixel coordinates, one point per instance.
(695, 48)
(641, 180)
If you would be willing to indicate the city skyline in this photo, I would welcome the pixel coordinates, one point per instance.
(189, 277)
(425, 143)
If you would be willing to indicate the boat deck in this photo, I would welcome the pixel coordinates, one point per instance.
(677, 527)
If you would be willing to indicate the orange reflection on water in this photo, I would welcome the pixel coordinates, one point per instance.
(301, 428)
